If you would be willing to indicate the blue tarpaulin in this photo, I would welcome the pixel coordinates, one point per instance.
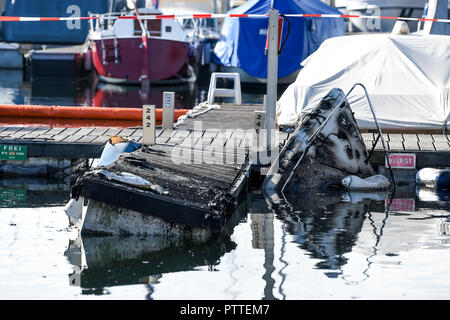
(243, 40)
(50, 31)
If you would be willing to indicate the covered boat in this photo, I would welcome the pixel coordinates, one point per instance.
(242, 43)
(406, 76)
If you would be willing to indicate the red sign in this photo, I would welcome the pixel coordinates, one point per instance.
(401, 204)
(402, 160)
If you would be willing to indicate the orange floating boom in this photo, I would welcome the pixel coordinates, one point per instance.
(69, 123)
(59, 112)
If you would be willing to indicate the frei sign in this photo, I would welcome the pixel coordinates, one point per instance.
(13, 152)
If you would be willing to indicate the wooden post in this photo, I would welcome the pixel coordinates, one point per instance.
(149, 124)
(260, 120)
(272, 75)
(168, 110)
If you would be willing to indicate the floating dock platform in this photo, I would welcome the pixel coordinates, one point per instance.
(57, 63)
(87, 142)
(202, 164)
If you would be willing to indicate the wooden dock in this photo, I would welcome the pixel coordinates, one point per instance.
(202, 165)
(202, 172)
(87, 142)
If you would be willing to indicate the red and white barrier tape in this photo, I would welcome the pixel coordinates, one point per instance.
(212, 16)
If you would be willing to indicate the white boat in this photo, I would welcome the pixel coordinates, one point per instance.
(127, 48)
(436, 9)
(388, 8)
(406, 76)
(123, 53)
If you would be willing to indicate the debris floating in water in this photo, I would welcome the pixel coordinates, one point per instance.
(377, 182)
(131, 179)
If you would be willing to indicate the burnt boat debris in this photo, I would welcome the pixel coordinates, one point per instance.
(143, 192)
(377, 182)
(325, 149)
(147, 190)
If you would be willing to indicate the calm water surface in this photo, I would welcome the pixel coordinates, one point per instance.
(323, 246)
(91, 92)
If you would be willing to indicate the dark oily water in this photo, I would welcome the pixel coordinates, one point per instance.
(91, 92)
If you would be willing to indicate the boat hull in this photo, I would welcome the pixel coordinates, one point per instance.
(313, 159)
(102, 218)
(122, 60)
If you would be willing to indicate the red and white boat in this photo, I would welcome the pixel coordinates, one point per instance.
(134, 51)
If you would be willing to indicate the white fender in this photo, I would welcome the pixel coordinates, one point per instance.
(431, 177)
(377, 182)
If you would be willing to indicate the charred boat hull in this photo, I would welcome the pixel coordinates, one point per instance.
(326, 147)
(144, 192)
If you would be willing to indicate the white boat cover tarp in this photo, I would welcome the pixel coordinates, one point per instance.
(407, 78)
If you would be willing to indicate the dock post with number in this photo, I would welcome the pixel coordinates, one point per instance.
(168, 110)
(260, 129)
(149, 124)
(272, 76)
(259, 137)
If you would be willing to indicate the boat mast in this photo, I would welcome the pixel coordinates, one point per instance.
(144, 78)
(110, 22)
(143, 28)
(331, 3)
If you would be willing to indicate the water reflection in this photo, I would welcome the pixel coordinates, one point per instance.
(325, 225)
(110, 95)
(326, 245)
(32, 192)
(90, 91)
(12, 88)
(263, 238)
(438, 197)
(101, 262)
(439, 200)
(15, 88)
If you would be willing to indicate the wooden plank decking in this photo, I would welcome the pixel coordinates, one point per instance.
(213, 126)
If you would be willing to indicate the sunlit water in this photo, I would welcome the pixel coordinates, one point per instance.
(91, 92)
(341, 250)
(336, 246)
